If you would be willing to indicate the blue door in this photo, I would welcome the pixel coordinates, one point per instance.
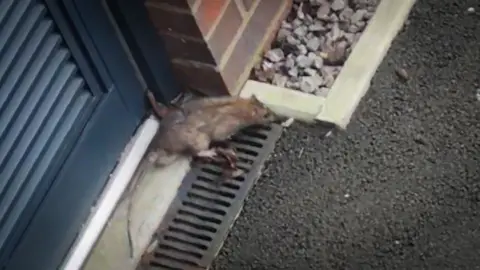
(69, 103)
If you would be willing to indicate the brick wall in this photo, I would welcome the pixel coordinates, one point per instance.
(213, 44)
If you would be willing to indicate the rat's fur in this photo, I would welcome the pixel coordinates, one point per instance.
(188, 131)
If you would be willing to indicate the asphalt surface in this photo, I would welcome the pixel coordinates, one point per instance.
(401, 188)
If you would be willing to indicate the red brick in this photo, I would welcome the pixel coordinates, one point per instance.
(171, 21)
(248, 4)
(203, 78)
(247, 46)
(186, 48)
(225, 31)
(208, 12)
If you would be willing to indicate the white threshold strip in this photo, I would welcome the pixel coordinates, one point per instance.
(118, 182)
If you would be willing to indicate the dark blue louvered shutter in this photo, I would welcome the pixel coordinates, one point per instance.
(69, 102)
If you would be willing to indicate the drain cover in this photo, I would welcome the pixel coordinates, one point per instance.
(199, 219)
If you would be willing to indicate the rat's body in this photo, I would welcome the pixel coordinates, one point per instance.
(189, 131)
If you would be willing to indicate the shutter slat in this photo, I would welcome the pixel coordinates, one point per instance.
(5, 6)
(23, 89)
(22, 62)
(34, 126)
(19, 39)
(14, 21)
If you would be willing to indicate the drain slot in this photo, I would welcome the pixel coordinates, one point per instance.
(199, 221)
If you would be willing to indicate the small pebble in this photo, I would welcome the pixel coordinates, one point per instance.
(266, 66)
(478, 94)
(329, 80)
(297, 23)
(402, 74)
(302, 49)
(300, 31)
(358, 16)
(279, 80)
(338, 5)
(275, 55)
(346, 14)
(293, 85)
(293, 72)
(286, 25)
(315, 3)
(313, 44)
(308, 84)
(288, 122)
(318, 62)
(323, 11)
(310, 71)
(290, 61)
(316, 26)
(303, 61)
(283, 34)
(471, 10)
(300, 14)
(322, 92)
(292, 40)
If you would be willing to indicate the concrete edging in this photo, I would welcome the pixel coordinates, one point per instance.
(354, 79)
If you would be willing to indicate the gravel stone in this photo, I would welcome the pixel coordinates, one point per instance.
(300, 14)
(302, 49)
(293, 84)
(275, 55)
(292, 40)
(266, 65)
(279, 80)
(315, 3)
(346, 14)
(313, 44)
(318, 62)
(283, 34)
(301, 31)
(358, 16)
(286, 25)
(303, 61)
(308, 84)
(310, 71)
(290, 61)
(322, 91)
(316, 27)
(338, 5)
(293, 72)
(324, 11)
(297, 23)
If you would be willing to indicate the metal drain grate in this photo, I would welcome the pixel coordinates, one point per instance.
(198, 221)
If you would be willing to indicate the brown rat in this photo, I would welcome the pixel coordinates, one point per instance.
(189, 131)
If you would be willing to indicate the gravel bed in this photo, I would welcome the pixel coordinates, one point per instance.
(313, 43)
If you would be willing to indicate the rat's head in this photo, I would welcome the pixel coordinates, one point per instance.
(263, 114)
